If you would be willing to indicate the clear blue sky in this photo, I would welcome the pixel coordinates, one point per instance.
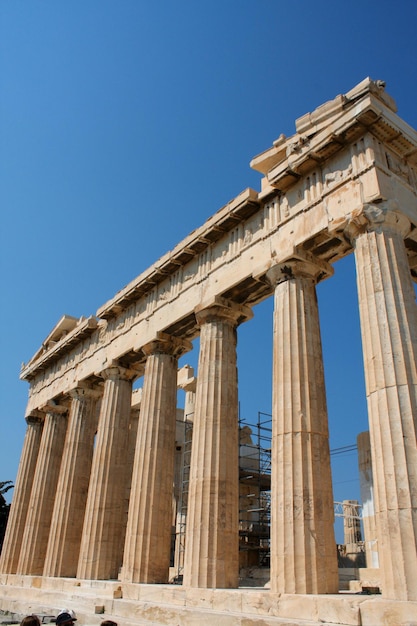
(125, 124)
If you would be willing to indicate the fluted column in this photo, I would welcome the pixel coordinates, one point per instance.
(148, 535)
(68, 515)
(303, 552)
(212, 531)
(388, 316)
(101, 548)
(367, 496)
(42, 498)
(18, 511)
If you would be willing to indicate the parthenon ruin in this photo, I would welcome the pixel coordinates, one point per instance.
(345, 182)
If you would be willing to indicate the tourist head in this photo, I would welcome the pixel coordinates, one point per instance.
(65, 618)
(30, 620)
(108, 622)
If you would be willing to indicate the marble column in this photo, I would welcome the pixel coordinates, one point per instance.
(388, 316)
(148, 536)
(42, 497)
(101, 548)
(367, 496)
(68, 515)
(303, 549)
(212, 531)
(20, 503)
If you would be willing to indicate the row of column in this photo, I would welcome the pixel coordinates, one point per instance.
(57, 539)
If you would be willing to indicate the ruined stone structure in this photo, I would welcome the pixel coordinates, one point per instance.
(367, 496)
(345, 182)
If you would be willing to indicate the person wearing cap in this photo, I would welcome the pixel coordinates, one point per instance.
(65, 618)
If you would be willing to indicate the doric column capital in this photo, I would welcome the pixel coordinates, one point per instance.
(35, 417)
(379, 217)
(167, 344)
(54, 409)
(300, 264)
(117, 372)
(83, 391)
(222, 309)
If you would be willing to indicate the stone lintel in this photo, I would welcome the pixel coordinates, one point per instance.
(55, 349)
(238, 209)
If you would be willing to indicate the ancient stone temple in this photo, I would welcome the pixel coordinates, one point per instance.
(345, 182)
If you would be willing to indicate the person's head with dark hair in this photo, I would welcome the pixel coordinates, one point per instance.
(30, 620)
(108, 622)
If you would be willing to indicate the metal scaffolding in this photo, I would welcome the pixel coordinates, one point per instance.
(255, 491)
(254, 494)
(182, 505)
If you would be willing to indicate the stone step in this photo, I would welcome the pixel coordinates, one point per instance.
(130, 604)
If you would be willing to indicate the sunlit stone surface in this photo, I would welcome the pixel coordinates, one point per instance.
(345, 182)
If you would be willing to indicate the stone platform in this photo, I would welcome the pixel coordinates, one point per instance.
(144, 605)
